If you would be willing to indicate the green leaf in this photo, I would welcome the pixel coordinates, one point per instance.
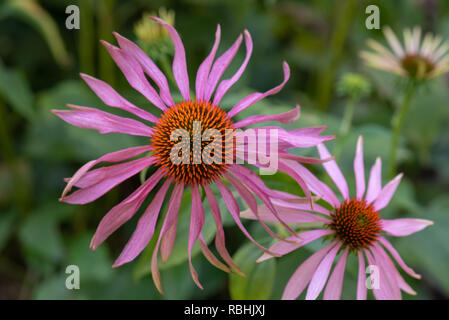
(260, 276)
(6, 226)
(15, 90)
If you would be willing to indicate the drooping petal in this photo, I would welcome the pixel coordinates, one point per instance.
(387, 192)
(334, 172)
(375, 181)
(111, 98)
(404, 226)
(211, 257)
(96, 190)
(116, 156)
(133, 72)
(335, 283)
(361, 279)
(148, 66)
(145, 228)
(233, 208)
(257, 96)
(220, 236)
(321, 274)
(300, 205)
(196, 224)
(359, 169)
(203, 70)
(388, 282)
(289, 215)
(286, 117)
(304, 273)
(103, 122)
(124, 211)
(282, 248)
(398, 258)
(224, 86)
(179, 61)
(219, 67)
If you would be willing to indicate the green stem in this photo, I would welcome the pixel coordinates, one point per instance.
(397, 123)
(345, 125)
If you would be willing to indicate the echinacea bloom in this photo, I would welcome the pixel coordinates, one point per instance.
(203, 110)
(353, 225)
(414, 60)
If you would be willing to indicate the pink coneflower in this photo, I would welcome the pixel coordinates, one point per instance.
(353, 225)
(186, 114)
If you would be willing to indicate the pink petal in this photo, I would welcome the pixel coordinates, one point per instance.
(359, 169)
(203, 71)
(398, 258)
(388, 280)
(335, 283)
(111, 98)
(211, 257)
(387, 192)
(133, 72)
(361, 282)
(226, 84)
(107, 182)
(233, 208)
(282, 248)
(196, 224)
(220, 236)
(288, 215)
(375, 181)
(286, 117)
(148, 66)
(219, 67)
(295, 204)
(103, 122)
(304, 273)
(334, 172)
(170, 219)
(404, 226)
(302, 159)
(179, 61)
(257, 96)
(124, 211)
(145, 228)
(117, 156)
(321, 274)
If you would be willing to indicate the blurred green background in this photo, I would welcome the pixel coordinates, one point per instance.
(40, 60)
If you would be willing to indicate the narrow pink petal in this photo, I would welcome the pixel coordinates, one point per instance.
(375, 181)
(361, 282)
(289, 215)
(303, 204)
(220, 236)
(359, 169)
(257, 96)
(219, 67)
(148, 66)
(203, 70)
(211, 257)
(379, 293)
(233, 208)
(103, 122)
(116, 156)
(321, 274)
(106, 183)
(334, 172)
(286, 117)
(388, 279)
(398, 258)
(196, 224)
(111, 98)
(335, 283)
(282, 248)
(145, 228)
(226, 84)
(302, 159)
(404, 226)
(304, 273)
(124, 211)
(170, 219)
(133, 72)
(179, 61)
(394, 42)
(168, 239)
(387, 192)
